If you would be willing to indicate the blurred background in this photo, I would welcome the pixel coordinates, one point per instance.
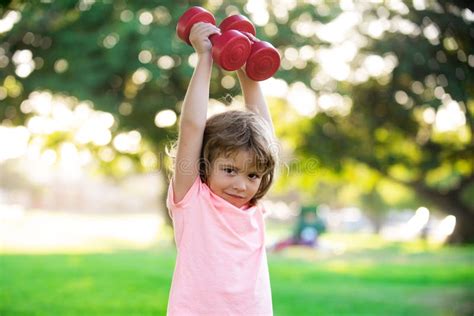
(373, 106)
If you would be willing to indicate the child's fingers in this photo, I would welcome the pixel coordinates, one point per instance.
(209, 32)
(199, 36)
(204, 25)
(204, 29)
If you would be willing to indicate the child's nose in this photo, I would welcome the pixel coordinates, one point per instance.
(239, 184)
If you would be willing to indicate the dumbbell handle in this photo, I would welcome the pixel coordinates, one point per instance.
(251, 37)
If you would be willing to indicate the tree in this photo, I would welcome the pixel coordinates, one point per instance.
(411, 113)
(120, 57)
(375, 82)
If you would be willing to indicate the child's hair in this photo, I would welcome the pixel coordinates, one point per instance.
(228, 133)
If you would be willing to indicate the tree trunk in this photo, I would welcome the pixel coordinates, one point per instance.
(451, 203)
(464, 230)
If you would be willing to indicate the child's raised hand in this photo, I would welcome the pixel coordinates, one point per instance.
(199, 37)
(242, 74)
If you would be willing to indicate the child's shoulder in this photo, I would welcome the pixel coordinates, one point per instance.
(194, 193)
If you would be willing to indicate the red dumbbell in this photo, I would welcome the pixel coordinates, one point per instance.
(264, 59)
(230, 50)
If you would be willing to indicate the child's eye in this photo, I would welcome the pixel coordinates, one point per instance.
(228, 170)
(254, 176)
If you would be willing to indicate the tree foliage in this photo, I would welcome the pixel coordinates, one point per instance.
(411, 66)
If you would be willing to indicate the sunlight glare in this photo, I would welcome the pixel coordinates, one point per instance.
(40, 125)
(145, 56)
(128, 142)
(346, 5)
(258, 11)
(163, 17)
(145, 18)
(49, 157)
(447, 225)
(149, 161)
(13, 142)
(23, 60)
(449, 117)
(398, 6)
(275, 87)
(404, 26)
(468, 14)
(334, 103)
(228, 82)
(302, 99)
(377, 66)
(192, 60)
(216, 107)
(63, 115)
(111, 40)
(94, 127)
(304, 25)
(165, 118)
(69, 160)
(334, 62)
(141, 75)
(106, 154)
(165, 62)
(432, 32)
(444, 229)
(419, 5)
(401, 97)
(377, 28)
(126, 16)
(417, 223)
(41, 102)
(429, 115)
(338, 29)
(9, 20)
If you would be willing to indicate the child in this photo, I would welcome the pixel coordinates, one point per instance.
(223, 166)
(308, 229)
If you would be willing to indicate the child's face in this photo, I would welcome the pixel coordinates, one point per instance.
(235, 178)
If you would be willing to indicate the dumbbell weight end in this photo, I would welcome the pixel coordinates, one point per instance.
(189, 18)
(230, 50)
(263, 61)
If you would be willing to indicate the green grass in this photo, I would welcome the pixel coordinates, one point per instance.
(390, 279)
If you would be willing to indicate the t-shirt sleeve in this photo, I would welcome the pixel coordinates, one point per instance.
(186, 200)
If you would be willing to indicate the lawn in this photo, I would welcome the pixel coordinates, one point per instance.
(385, 279)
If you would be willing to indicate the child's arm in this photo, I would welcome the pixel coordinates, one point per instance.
(253, 97)
(194, 112)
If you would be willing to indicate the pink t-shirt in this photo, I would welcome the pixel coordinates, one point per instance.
(221, 264)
